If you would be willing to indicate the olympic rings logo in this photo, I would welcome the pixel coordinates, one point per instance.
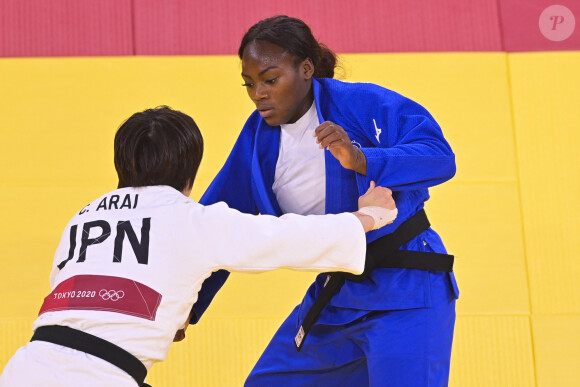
(112, 295)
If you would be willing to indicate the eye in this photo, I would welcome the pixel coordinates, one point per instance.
(247, 84)
(271, 81)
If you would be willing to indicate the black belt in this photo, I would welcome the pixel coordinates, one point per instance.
(95, 346)
(382, 252)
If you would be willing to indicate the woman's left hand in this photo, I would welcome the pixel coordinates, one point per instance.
(334, 137)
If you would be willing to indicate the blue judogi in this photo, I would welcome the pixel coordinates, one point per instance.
(397, 321)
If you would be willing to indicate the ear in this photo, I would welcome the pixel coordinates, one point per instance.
(307, 68)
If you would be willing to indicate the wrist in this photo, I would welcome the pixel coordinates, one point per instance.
(381, 216)
(366, 221)
(360, 163)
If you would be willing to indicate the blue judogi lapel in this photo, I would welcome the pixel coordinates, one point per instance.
(265, 156)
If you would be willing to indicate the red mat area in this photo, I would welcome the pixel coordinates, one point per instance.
(216, 27)
(522, 30)
(202, 27)
(65, 28)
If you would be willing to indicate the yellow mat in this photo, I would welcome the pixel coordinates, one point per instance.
(509, 216)
(547, 122)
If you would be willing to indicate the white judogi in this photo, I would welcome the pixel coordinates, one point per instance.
(132, 264)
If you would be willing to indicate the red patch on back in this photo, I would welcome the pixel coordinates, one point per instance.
(103, 293)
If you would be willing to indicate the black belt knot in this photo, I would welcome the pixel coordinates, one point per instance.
(383, 252)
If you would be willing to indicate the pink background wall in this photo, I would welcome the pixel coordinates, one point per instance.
(182, 27)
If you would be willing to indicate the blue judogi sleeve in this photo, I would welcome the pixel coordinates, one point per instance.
(406, 152)
(403, 144)
(414, 154)
(233, 186)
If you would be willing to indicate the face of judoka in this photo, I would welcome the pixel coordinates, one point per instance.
(279, 84)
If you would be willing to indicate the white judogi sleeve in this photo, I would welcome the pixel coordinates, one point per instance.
(130, 266)
(264, 242)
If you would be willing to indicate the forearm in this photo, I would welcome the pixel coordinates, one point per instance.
(366, 220)
(401, 169)
(359, 162)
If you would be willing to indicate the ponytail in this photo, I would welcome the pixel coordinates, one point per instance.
(326, 64)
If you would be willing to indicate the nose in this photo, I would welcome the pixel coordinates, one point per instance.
(260, 92)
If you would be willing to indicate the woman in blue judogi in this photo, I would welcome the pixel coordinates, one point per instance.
(312, 146)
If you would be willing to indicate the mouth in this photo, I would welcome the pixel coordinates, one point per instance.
(265, 112)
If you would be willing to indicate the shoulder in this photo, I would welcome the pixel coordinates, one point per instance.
(361, 92)
(361, 98)
(356, 101)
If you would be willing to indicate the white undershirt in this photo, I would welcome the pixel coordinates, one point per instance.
(300, 178)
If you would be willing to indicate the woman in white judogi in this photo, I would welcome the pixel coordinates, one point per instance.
(131, 263)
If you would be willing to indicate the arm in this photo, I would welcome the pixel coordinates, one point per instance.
(376, 209)
(405, 147)
(419, 156)
(314, 242)
(265, 242)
